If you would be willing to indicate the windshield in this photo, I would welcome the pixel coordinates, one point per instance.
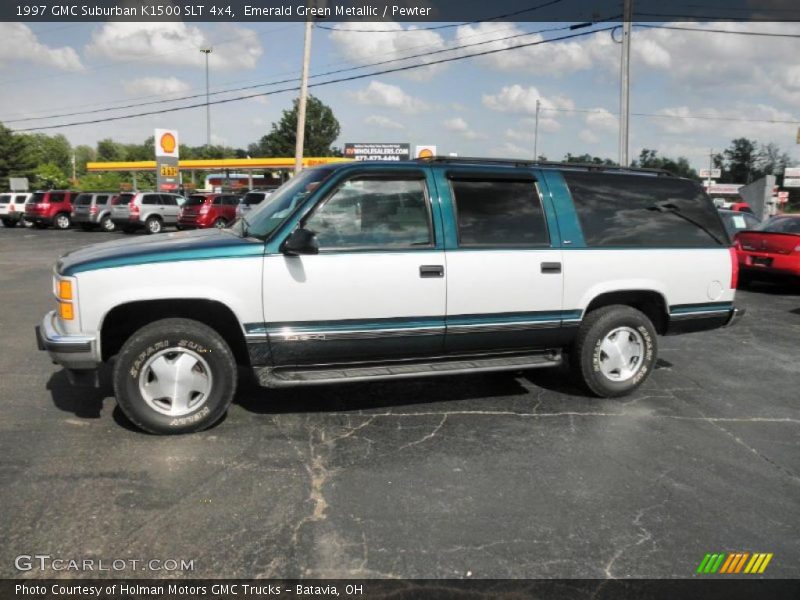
(781, 225)
(278, 206)
(195, 200)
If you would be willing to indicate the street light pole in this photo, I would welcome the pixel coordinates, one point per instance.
(207, 51)
(625, 83)
(301, 103)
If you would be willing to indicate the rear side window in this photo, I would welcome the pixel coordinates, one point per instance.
(101, 199)
(196, 200)
(57, 197)
(19, 199)
(124, 199)
(498, 213)
(151, 199)
(168, 200)
(83, 200)
(644, 211)
(5, 199)
(253, 198)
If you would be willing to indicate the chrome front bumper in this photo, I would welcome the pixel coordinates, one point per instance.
(72, 351)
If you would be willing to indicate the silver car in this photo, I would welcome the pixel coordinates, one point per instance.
(149, 210)
(91, 210)
(250, 200)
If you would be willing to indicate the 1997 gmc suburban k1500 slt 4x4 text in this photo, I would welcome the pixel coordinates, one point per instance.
(363, 271)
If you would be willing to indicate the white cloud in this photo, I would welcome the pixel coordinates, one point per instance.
(511, 150)
(391, 41)
(736, 119)
(522, 100)
(588, 137)
(18, 43)
(160, 86)
(176, 44)
(383, 122)
(460, 126)
(388, 96)
(600, 118)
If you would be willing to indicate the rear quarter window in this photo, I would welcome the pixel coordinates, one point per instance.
(644, 211)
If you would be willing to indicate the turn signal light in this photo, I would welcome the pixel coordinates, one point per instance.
(65, 289)
(65, 311)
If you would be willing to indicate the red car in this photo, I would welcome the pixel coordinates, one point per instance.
(208, 210)
(53, 207)
(772, 249)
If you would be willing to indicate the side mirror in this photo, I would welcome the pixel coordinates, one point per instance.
(301, 241)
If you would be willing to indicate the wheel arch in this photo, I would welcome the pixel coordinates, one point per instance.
(651, 302)
(123, 320)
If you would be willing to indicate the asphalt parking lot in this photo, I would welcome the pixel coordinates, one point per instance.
(502, 476)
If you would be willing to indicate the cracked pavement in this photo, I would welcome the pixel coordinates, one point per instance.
(486, 476)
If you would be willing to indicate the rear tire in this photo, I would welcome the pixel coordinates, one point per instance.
(615, 351)
(220, 223)
(153, 225)
(62, 221)
(9, 223)
(194, 363)
(106, 224)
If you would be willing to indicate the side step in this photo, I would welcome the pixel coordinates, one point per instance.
(285, 377)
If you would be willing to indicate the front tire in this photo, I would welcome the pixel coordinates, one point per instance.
(175, 376)
(615, 351)
(153, 225)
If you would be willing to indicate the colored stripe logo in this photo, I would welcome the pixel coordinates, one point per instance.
(734, 563)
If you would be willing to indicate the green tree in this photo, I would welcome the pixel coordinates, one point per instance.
(741, 161)
(100, 182)
(49, 176)
(771, 160)
(588, 159)
(15, 161)
(649, 159)
(108, 150)
(83, 155)
(322, 128)
(42, 148)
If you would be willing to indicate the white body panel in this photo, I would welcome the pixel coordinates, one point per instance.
(681, 276)
(492, 281)
(358, 285)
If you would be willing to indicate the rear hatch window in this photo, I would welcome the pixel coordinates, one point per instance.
(253, 198)
(195, 201)
(38, 197)
(124, 199)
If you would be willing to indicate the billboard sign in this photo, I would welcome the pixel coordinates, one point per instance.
(729, 189)
(791, 182)
(791, 172)
(377, 151)
(710, 173)
(167, 172)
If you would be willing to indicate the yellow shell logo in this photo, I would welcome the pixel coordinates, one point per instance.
(167, 143)
(425, 153)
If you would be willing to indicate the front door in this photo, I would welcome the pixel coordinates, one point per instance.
(504, 274)
(376, 290)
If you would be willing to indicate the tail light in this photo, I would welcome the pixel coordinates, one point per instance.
(734, 268)
(204, 209)
(93, 210)
(134, 208)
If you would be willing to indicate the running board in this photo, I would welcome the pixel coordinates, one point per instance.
(286, 377)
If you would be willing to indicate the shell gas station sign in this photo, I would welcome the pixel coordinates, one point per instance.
(167, 171)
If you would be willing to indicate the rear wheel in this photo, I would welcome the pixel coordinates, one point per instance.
(62, 221)
(106, 224)
(9, 223)
(615, 350)
(153, 225)
(27, 224)
(220, 223)
(175, 376)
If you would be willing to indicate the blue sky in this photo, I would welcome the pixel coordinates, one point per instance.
(478, 106)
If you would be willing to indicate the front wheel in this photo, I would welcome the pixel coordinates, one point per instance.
(153, 225)
(175, 376)
(615, 351)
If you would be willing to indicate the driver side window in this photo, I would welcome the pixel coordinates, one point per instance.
(386, 212)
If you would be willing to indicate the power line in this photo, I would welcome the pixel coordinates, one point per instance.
(282, 81)
(448, 26)
(324, 83)
(668, 116)
(728, 31)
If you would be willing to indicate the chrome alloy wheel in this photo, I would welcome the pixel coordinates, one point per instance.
(175, 381)
(621, 353)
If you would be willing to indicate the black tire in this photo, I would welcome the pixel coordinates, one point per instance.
(107, 225)
(62, 221)
(587, 355)
(220, 223)
(9, 223)
(153, 225)
(87, 226)
(27, 224)
(183, 335)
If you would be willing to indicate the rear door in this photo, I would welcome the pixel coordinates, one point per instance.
(169, 208)
(504, 274)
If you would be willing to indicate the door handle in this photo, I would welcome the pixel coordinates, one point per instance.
(431, 271)
(551, 267)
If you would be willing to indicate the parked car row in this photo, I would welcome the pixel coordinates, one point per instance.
(128, 211)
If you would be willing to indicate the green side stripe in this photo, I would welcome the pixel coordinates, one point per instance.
(711, 563)
(718, 564)
(703, 563)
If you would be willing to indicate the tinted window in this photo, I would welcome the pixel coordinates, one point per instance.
(19, 199)
(230, 200)
(364, 213)
(737, 221)
(195, 200)
(5, 199)
(124, 199)
(782, 225)
(101, 199)
(646, 211)
(57, 196)
(498, 213)
(217, 201)
(151, 199)
(83, 200)
(38, 197)
(169, 200)
(253, 198)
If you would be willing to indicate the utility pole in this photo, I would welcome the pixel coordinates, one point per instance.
(207, 51)
(710, 166)
(625, 83)
(536, 133)
(301, 103)
(74, 174)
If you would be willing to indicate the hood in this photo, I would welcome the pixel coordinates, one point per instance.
(203, 244)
